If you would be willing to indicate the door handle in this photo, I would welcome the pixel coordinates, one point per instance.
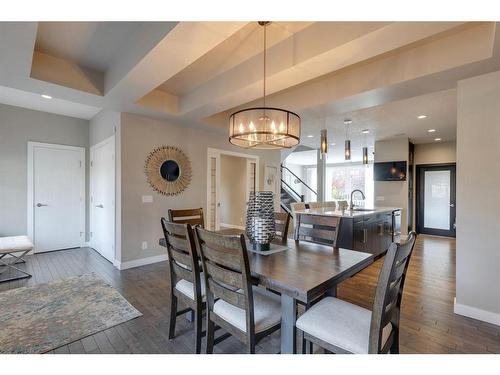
(41, 205)
(100, 206)
(452, 204)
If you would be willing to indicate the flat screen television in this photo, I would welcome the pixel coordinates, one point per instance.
(389, 171)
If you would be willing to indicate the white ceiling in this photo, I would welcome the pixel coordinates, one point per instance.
(25, 99)
(382, 75)
(92, 45)
(394, 119)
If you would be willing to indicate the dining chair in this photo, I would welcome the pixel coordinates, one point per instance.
(331, 205)
(245, 311)
(342, 327)
(282, 221)
(315, 205)
(316, 228)
(186, 282)
(192, 216)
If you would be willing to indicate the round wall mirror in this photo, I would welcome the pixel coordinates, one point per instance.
(170, 170)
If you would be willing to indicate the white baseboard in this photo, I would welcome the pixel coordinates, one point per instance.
(475, 313)
(232, 226)
(141, 262)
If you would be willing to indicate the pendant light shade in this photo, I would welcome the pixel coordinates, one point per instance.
(264, 127)
(323, 147)
(347, 147)
(347, 150)
(365, 155)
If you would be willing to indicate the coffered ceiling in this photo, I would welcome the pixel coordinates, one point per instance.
(380, 74)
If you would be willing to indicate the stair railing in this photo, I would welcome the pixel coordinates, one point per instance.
(297, 178)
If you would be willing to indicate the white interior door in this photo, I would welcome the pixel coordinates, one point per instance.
(56, 196)
(102, 198)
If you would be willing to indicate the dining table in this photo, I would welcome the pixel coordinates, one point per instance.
(301, 273)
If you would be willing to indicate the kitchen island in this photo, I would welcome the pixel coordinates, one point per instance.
(369, 230)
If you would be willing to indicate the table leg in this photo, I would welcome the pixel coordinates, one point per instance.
(332, 292)
(288, 318)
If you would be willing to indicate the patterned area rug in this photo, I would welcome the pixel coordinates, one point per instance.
(43, 317)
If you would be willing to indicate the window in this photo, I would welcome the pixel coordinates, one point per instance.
(342, 178)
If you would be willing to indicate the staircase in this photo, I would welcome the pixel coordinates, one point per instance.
(290, 190)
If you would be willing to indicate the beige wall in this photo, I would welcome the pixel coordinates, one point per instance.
(478, 203)
(17, 127)
(392, 193)
(435, 153)
(139, 135)
(233, 186)
(431, 153)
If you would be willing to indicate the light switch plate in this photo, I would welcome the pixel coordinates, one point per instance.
(144, 245)
(147, 199)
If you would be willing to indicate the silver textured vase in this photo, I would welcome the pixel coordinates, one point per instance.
(260, 223)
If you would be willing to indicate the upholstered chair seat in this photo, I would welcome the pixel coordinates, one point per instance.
(341, 324)
(267, 311)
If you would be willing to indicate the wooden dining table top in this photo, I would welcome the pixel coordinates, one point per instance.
(305, 270)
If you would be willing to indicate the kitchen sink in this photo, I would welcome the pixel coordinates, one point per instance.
(361, 209)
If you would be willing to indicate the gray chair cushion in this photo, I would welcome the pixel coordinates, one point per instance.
(340, 323)
(187, 288)
(267, 311)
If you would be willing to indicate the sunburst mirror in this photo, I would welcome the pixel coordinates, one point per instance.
(168, 170)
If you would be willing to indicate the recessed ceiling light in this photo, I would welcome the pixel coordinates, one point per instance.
(437, 139)
(310, 136)
(333, 144)
(365, 131)
(431, 130)
(45, 96)
(422, 116)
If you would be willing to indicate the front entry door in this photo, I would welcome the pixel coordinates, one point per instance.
(436, 204)
(56, 196)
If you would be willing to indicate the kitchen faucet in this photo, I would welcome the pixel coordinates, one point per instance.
(351, 206)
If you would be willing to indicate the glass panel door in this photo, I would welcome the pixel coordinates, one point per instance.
(436, 199)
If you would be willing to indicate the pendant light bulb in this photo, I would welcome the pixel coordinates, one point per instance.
(323, 147)
(365, 155)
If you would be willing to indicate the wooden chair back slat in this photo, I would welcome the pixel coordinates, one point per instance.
(228, 295)
(226, 276)
(387, 303)
(220, 256)
(316, 228)
(282, 221)
(314, 233)
(181, 273)
(192, 216)
(178, 243)
(182, 259)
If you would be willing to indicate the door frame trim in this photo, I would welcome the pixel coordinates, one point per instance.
(30, 187)
(216, 153)
(418, 193)
(112, 140)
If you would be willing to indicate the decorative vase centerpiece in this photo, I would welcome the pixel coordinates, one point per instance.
(260, 224)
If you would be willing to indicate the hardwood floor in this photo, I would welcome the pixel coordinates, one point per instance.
(428, 324)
